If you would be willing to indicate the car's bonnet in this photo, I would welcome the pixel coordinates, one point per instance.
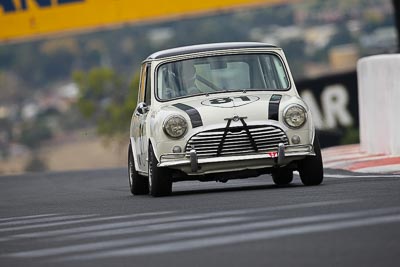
(217, 109)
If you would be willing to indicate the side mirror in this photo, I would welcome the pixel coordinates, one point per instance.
(142, 108)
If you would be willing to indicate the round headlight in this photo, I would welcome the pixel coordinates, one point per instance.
(175, 126)
(295, 116)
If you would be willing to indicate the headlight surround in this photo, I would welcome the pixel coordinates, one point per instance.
(295, 116)
(175, 126)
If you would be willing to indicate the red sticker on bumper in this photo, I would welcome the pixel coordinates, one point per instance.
(273, 154)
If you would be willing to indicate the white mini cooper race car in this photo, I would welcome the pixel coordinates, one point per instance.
(219, 112)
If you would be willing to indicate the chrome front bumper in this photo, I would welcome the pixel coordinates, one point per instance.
(284, 155)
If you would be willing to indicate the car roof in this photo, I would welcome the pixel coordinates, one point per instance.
(206, 47)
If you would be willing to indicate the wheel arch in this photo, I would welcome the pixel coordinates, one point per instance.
(151, 143)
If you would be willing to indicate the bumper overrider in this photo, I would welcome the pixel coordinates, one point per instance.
(192, 164)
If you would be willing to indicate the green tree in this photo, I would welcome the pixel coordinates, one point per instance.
(33, 133)
(107, 99)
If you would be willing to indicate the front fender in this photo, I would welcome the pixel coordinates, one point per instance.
(161, 143)
(134, 153)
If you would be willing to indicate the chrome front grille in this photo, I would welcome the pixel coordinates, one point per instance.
(236, 141)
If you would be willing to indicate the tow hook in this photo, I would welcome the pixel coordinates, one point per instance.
(194, 164)
(281, 153)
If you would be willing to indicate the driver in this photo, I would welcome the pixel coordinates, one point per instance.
(189, 79)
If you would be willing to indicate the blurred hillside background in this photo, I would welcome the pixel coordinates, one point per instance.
(66, 102)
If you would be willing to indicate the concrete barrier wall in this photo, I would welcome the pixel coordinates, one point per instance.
(379, 104)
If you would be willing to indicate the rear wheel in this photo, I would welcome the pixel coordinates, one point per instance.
(138, 184)
(311, 168)
(160, 182)
(282, 176)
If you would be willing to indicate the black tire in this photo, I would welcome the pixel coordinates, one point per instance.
(138, 184)
(311, 168)
(160, 182)
(282, 176)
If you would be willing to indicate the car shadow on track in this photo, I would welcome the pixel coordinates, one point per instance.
(182, 192)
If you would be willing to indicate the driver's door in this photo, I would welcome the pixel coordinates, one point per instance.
(144, 102)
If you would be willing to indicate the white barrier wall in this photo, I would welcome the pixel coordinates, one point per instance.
(379, 103)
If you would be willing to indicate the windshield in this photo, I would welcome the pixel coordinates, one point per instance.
(221, 73)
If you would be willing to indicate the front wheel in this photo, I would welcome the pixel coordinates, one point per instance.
(138, 184)
(310, 168)
(282, 176)
(160, 182)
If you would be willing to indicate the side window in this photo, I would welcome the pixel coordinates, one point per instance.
(147, 94)
(142, 83)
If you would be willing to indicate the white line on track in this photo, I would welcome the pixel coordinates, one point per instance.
(42, 220)
(242, 236)
(112, 243)
(247, 237)
(157, 227)
(27, 217)
(377, 176)
(112, 225)
(52, 224)
(172, 237)
(284, 222)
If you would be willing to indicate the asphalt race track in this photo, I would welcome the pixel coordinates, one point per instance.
(89, 218)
